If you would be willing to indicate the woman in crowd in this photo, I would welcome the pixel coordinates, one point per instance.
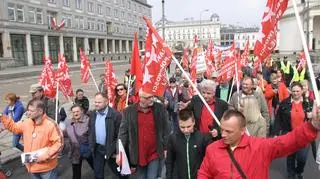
(292, 113)
(15, 111)
(78, 136)
(121, 96)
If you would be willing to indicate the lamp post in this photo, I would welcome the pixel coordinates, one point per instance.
(163, 27)
(200, 28)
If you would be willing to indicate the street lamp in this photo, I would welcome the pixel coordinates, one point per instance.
(200, 28)
(163, 28)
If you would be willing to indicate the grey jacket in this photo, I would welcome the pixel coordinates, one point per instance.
(128, 132)
(81, 128)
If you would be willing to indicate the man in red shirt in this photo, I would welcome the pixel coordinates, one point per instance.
(254, 155)
(144, 130)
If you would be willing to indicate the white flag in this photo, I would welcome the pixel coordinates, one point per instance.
(124, 168)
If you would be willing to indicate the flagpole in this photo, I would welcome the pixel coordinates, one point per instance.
(94, 81)
(128, 90)
(57, 99)
(232, 84)
(306, 51)
(196, 89)
(237, 83)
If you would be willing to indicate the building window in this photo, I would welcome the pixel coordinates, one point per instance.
(31, 15)
(116, 13)
(66, 3)
(20, 13)
(52, 1)
(11, 12)
(76, 22)
(78, 4)
(90, 24)
(108, 11)
(67, 20)
(90, 7)
(99, 9)
(39, 16)
(50, 16)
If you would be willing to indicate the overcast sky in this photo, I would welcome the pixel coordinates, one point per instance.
(242, 12)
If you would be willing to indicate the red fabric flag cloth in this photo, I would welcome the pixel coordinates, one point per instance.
(54, 23)
(62, 24)
(245, 55)
(85, 67)
(302, 61)
(110, 82)
(227, 70)
(135, 68)
(185, 58)
(63, 78)
(158, 56)
(209, 59)
(257, 66)
(268, 34)
(47, 79)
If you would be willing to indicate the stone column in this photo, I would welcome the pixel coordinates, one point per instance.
(29, 50)
(46, 45)
(127, 46)
(96, 46)
(310, 31)
(105, 45)
(120, 46)
(6, 42)
(75, 50)
(61, 48)
(113, 46)
(86, 45)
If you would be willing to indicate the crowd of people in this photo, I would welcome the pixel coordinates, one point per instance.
(272, 115)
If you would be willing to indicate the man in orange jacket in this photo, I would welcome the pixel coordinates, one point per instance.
(42, 138)
(253, 155)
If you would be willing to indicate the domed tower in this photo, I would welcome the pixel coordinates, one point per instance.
(215, 18)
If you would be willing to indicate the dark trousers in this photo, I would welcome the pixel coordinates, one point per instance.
(76, 168)
(297, 161)
(99, 162)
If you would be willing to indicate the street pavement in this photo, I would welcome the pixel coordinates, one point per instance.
(20, 86)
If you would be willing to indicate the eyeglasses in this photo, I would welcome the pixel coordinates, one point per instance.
(120, 89)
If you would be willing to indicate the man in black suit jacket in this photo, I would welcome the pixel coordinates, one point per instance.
(103, 132)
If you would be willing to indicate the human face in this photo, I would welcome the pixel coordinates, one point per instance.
(80, 95)
(38, 94)
(247, 86)
(146, 100)
(121, 90)
(296, 93)
(34, 113)
(76, 113)
(208, 94)
(9, 102)
(178, 71)
(172, 84)
(231, 131)
(274, 80)
(187, 126)
(100, 102)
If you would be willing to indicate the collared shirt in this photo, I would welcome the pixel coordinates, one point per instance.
(224, 93)
(101, 131)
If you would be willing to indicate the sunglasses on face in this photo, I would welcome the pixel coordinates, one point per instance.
(120, 89)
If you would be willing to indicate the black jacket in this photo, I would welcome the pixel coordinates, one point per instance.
(283, 116)
(196, 106)
(177, 154)
(113, 121)
(128, 132)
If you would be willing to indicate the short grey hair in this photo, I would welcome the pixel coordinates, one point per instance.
(208, 84)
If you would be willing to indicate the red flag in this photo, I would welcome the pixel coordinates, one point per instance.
(158, 57)
(135, 68)
(54, 23)
(245, 55)
(62, 24)
(85, 67)
(110, 81)
(228, 67)
(268, 35)
(47, 78)
(185, 58)
(302, 60)
(257, 66)
(62, 76)
(209, 59)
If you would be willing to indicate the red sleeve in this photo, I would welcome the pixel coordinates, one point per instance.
(205, 171)
(287, 144)
(268, 93)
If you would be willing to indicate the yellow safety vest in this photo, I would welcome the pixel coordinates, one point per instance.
(297, 76)
(285, 68)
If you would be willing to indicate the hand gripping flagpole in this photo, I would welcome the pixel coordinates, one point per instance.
(94, 81)
(306, 51)
(196, 89)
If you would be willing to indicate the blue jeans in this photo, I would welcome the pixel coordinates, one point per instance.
(150, 171)
(294, 167)
(15, 142)
(52, 174)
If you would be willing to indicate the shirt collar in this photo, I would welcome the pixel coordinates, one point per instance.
(139, 108)
(301, 100)
(244, 141)
(105, 112)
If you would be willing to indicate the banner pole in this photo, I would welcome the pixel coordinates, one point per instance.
(306, 51)
(232, 84)
(195, 88)
(57, 99)
(94, 81)
(128, 90)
